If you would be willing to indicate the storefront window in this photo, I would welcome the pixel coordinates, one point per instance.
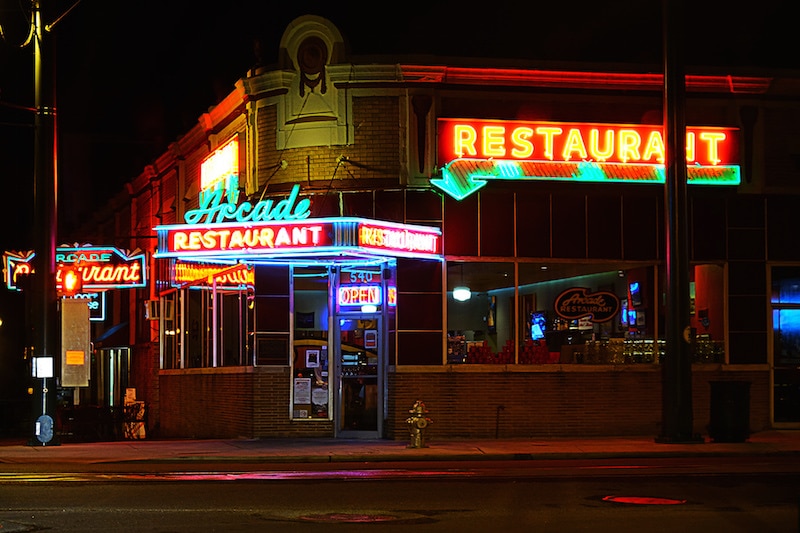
(707, 312)
(785, 302)
(190, 319)
(171, 332)
(574, 313)
(480, 312)
(553, 326)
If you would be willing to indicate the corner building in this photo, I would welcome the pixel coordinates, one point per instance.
(341, 237)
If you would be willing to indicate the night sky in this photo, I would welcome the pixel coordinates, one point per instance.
(131, 77)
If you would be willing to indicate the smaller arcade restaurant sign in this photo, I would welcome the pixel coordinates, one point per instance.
(474, 151)
(101, 268)
(579, 302)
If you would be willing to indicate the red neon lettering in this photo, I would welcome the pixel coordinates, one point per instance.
(96, 275)
(243, 239)
(635, 144)
(398, 239)
(359, 295)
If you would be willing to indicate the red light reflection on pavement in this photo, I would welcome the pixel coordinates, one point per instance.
(349, 518)
(642, 500)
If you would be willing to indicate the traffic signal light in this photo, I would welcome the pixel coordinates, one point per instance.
(71, 282)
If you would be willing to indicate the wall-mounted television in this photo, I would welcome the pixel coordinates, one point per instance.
(623, 313)
(636, 293)
(538, 325)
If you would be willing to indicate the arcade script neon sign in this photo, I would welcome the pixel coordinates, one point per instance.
(216, 208)
(475, 151)
(223, 227)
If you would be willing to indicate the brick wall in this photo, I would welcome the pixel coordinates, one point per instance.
(555, 404)
(375, 151)
(231, 403)
(597, 402)
(144, 378)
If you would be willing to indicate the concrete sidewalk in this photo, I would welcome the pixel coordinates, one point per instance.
(336, 450)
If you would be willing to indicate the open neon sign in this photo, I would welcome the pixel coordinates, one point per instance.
(366, 295)
(360, 295)
(480, 150)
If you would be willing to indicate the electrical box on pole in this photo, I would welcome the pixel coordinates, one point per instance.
(75, 343)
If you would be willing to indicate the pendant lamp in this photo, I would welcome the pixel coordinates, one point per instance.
(462, 292)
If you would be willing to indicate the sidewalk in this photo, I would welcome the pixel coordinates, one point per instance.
(335, 450)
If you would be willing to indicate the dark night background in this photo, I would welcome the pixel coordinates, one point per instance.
(131, 77)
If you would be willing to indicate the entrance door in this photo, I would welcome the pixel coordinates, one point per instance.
(359, 370)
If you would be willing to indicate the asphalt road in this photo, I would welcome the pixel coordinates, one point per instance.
(731, 494)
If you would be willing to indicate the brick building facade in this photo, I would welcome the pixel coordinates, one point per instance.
(272, 357)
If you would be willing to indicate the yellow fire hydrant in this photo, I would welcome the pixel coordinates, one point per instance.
(417, 425)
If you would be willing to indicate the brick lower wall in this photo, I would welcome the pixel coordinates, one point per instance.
(231, 403)
(254, 403)
(555, 404)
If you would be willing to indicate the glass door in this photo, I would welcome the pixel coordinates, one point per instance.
(359, 391)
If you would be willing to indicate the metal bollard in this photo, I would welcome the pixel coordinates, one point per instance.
(417, 425)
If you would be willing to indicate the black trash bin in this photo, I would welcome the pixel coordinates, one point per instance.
(730, 411)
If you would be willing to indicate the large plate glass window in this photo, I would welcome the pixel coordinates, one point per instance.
(785, 302)
(481, 318)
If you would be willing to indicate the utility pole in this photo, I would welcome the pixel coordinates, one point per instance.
(676, 368)
(45, 218)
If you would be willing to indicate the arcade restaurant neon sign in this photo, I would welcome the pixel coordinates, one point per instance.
(101, 268)
(223, 228)
(475, 151)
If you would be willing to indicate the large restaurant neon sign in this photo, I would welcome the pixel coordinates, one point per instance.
(478, 150)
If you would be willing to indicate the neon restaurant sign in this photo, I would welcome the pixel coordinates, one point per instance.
(224, 230)
(101, 268)
(206, 274)
(319, 238)
(476, 151)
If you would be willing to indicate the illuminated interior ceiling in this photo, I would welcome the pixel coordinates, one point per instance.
(482, 277)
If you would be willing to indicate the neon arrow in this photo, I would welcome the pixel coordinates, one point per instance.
(462, 177)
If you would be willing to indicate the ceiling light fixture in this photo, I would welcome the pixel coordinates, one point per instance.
(462, 293)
